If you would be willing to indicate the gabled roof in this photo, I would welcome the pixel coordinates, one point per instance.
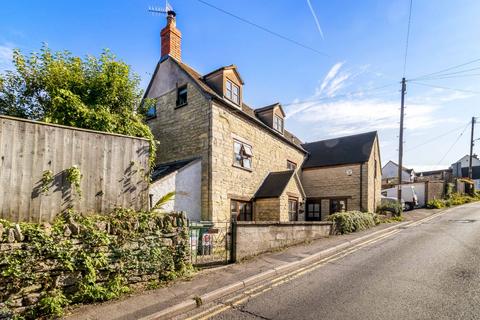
(246, 111)
(396, 164)
(344, 150)
(274, 184)
(162, 170)
(269, 107)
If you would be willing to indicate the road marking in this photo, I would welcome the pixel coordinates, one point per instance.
(272, 283)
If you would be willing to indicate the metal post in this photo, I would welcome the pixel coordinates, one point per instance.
(470, 169)
(233, 241)
(400, 142)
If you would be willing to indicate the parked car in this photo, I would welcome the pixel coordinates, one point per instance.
(409, 197)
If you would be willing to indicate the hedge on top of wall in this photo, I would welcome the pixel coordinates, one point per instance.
(81, 259)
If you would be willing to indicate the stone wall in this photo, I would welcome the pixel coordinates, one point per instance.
(334, 182)
(87, 259)
(270, 153)
(434, 190)
(372, 180)
(254, 238)
(183, 132)
(267, 209)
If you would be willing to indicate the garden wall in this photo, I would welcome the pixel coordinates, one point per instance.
(35, 159)
(253, 238)
(81, 259)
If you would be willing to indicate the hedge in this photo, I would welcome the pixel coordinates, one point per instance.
(352, 221)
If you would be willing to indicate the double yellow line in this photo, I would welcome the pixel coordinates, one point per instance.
(272, 283)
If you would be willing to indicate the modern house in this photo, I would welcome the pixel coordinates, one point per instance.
(250, 165)
(342, 174)
(390, 174)
(460, 169)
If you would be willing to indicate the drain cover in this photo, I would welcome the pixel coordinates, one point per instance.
(462, 221)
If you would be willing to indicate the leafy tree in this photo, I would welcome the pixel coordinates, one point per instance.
(99, 93)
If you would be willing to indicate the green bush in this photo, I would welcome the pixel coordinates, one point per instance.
(395, 208)
(436, 204)
(352, 221)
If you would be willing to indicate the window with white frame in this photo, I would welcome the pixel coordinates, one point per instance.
(277, 123)
(242, 154)
(232, 92)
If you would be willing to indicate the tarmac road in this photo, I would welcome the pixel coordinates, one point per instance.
(429, 271)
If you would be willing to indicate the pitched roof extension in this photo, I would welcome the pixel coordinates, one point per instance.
(337, 151)
(274, 184)
(162, 170)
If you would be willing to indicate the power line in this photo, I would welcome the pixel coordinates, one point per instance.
(460, 72)
(408, 36)
(452, 77)
(348, 94)
(436, 138)
(441, 87)
(264, 29)
(454, 143)
(447, 69)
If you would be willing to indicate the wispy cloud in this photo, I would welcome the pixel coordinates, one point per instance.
(350, 116)
(316, 19)
(332, 73)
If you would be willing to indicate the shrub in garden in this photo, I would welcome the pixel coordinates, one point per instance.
(352, 221)
(395, 208)
(436, 204)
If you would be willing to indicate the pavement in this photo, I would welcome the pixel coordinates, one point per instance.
(214, 283)
(429, 270)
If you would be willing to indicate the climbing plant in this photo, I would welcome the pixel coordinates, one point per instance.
(74, 177)
(47, 179)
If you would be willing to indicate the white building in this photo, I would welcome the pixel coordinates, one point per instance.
(390, 173)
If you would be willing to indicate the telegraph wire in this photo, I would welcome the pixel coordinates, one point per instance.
(460, 72)
(453, 144)
(442, 87)
(437, 137)
(408, 36)
(344, 95)
(278, 35)
(447, 69)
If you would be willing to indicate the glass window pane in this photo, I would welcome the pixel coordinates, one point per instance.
(235, 90)
(247, 163)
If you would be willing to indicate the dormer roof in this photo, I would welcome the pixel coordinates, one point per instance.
(221, 69)
(270, 107)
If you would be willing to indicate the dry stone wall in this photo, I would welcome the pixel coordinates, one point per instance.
(87, 259)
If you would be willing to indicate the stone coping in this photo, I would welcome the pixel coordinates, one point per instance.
(283, 223)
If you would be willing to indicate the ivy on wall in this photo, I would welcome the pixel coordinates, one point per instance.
(91, 258)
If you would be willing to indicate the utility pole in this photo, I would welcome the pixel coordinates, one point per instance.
(470, 170)
(400, 142)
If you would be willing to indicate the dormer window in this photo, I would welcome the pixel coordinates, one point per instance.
(232, 92)
(278, 123)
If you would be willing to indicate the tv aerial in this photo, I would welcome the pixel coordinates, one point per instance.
(168, 10)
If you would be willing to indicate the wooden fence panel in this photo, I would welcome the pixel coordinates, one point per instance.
(114, 169)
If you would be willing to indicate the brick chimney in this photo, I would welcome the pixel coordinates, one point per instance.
(171, 38)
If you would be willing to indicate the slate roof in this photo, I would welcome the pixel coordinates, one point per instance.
(337, 151)
(274, 184)
(162, 170)
(246, 110)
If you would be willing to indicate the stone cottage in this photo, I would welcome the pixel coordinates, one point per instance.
(250, 165)
(342, 174)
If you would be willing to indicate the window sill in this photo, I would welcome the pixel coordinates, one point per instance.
(239, 167)
(150, 118)
(181, 105)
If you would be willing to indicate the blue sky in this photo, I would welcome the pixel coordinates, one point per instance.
(364, 42)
